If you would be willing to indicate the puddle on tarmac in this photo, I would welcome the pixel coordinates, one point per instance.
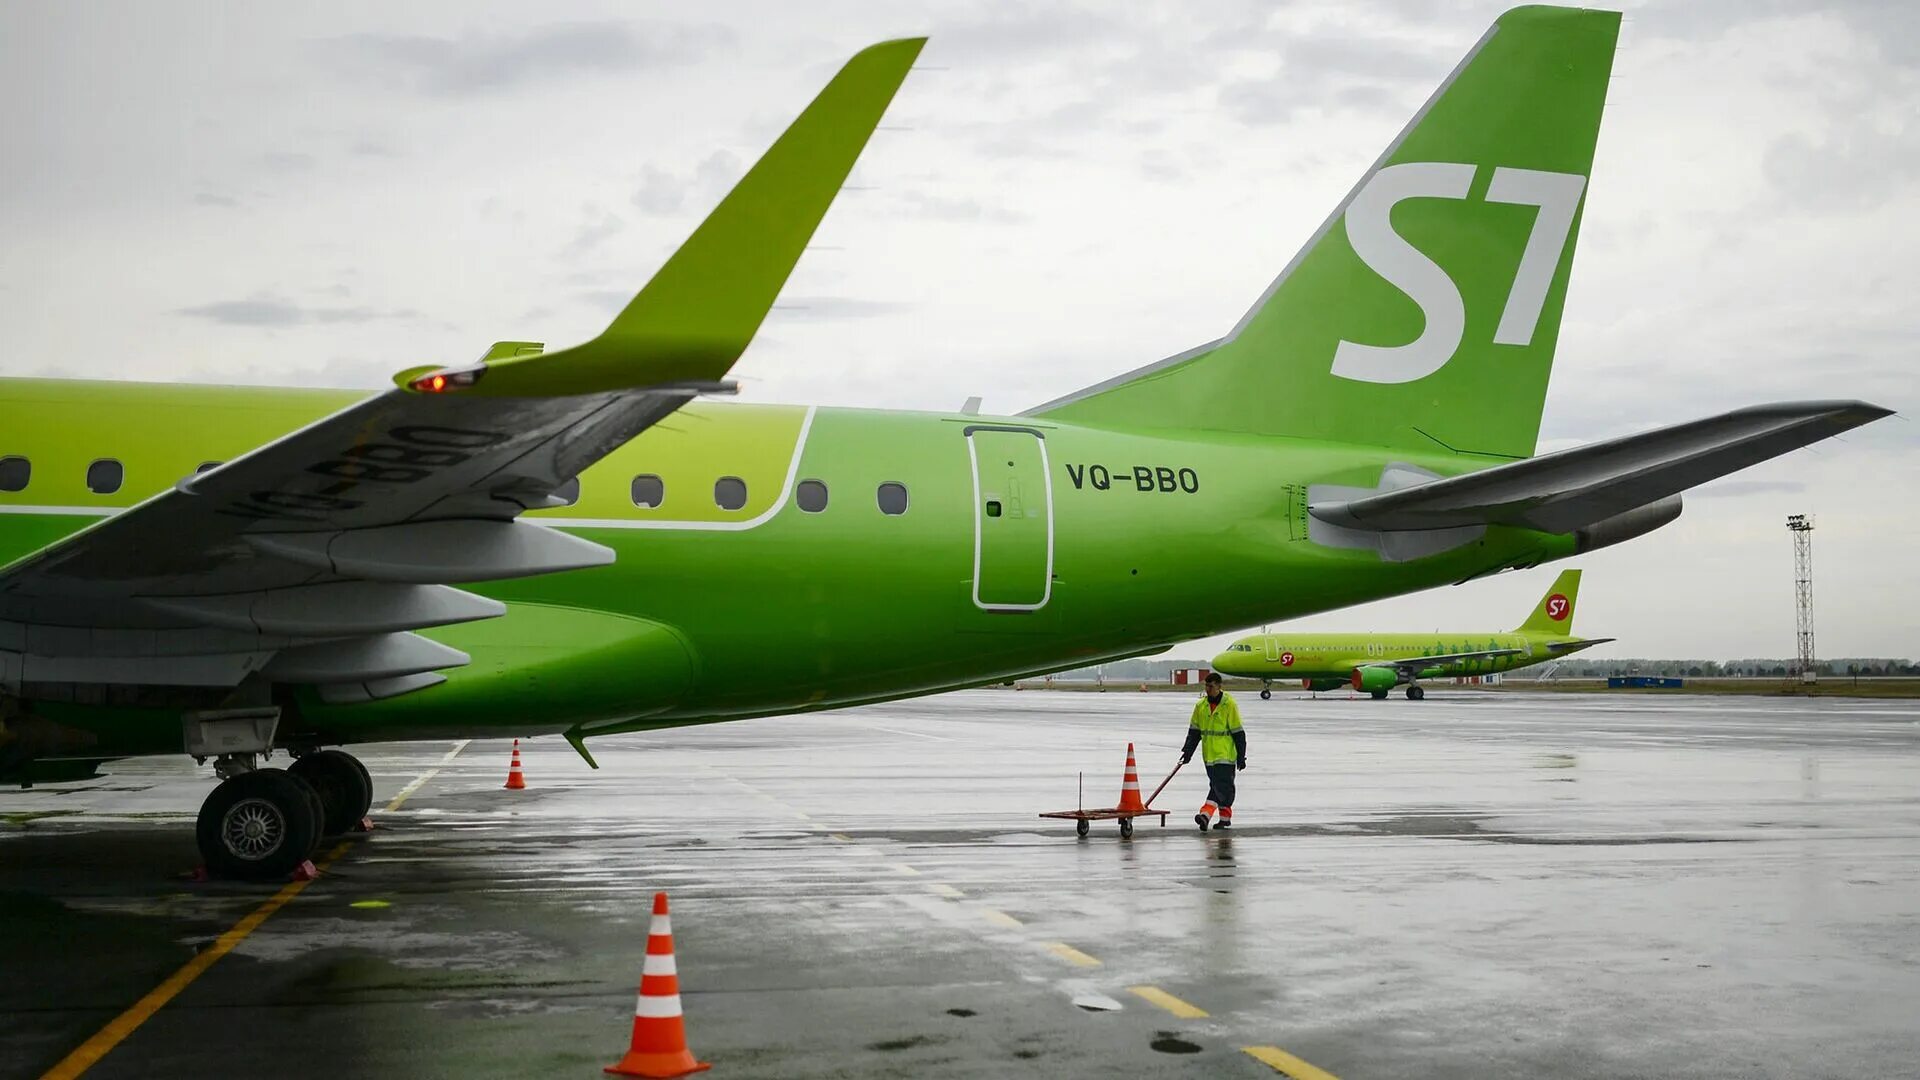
(1168, 1042)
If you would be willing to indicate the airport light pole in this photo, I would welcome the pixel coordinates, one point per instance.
(1801, 526)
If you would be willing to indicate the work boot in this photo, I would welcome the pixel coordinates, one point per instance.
(1200, 820)
(1225, 823)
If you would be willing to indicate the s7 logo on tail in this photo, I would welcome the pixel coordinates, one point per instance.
(1370, 231)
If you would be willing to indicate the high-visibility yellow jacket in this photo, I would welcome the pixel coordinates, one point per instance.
(1217, 725)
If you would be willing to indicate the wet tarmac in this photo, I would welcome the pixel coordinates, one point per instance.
(1475, 886)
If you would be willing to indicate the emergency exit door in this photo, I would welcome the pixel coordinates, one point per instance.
(1012, 519)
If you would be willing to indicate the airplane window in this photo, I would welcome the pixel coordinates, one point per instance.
(649, 491)
(892, 498)
(105, 476)
(811, 495)
(14, 473)
(207, 465)
(730, 493)
(569, 492)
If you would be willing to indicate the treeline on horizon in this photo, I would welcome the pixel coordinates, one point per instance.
(1158, 670)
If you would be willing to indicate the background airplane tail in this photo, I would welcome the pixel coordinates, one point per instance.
(1554, 613)
(1423, 314)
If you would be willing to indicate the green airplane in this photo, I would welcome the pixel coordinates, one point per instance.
(579, 542)
(1376, 663)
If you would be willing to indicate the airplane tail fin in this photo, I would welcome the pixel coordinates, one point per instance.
(1423, 314)
(1554, 613)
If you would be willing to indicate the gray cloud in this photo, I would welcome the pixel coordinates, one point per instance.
(288, 161)
(272, 313)
(208, 198)
(948, 208)
(599, 227)
(662, 192)
(837, 307)
(488, 63)
(1855, 165)
(1743, 488)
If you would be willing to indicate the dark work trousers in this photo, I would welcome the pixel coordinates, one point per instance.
(1220, 784)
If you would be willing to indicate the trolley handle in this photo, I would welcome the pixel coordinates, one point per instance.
(1164, 783)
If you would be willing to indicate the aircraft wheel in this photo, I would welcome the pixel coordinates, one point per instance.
(1266, 695)
(1379, 695)
(1082, 827)
(345, 789)
(258, 826)
(1126, 828)
(1415, 693)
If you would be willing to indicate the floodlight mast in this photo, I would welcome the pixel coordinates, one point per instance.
(1801, 526)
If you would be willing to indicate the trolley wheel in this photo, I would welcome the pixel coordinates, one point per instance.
(1126, 827)
(1081, 827)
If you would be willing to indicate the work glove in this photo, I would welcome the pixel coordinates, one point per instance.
(1184, 758)
(1241, 765)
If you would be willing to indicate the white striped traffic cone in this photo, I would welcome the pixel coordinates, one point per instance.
(1130, 786)
(658, 1048)
(515, 781)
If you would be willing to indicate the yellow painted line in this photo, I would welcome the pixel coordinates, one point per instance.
(905, 869)
(415, 785)
(999, 918)
(103, 1041)
(842, 837)
(802, 815)
(89, 1053)
(1286, 1064)
(1071, 955)
(1174, 1005)
(947, 891)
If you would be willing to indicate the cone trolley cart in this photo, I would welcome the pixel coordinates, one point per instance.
(1130, 805)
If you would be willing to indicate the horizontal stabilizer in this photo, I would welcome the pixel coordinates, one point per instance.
(1571, 489)
(1561, 648)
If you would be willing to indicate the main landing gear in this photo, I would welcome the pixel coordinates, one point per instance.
(1414, 693)
(261, 824)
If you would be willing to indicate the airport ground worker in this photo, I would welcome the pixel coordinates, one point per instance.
(1215, 729)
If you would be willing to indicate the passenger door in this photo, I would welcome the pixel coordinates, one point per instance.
(1012, 519)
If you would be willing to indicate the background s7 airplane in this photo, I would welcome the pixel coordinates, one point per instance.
(574, 542)
(1376, 663)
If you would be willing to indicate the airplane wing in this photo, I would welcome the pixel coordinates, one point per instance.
(1572, 489)
(311, 558)
(1413, 665)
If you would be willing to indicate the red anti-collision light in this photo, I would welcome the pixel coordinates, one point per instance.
(441, 382)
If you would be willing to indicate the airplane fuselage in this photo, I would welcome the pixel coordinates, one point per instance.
(1314, 657)
(951, 550)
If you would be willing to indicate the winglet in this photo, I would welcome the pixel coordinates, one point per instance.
(694, 319)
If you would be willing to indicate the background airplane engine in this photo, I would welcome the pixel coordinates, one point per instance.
(1372, 679)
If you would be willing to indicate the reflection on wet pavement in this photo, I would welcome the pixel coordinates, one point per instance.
(1478, 885)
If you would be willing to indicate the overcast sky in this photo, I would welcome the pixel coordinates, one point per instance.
(326, 195)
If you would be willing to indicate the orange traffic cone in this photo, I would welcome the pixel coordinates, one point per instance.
(1130, 787)
(659, 1044)
(515, 781)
